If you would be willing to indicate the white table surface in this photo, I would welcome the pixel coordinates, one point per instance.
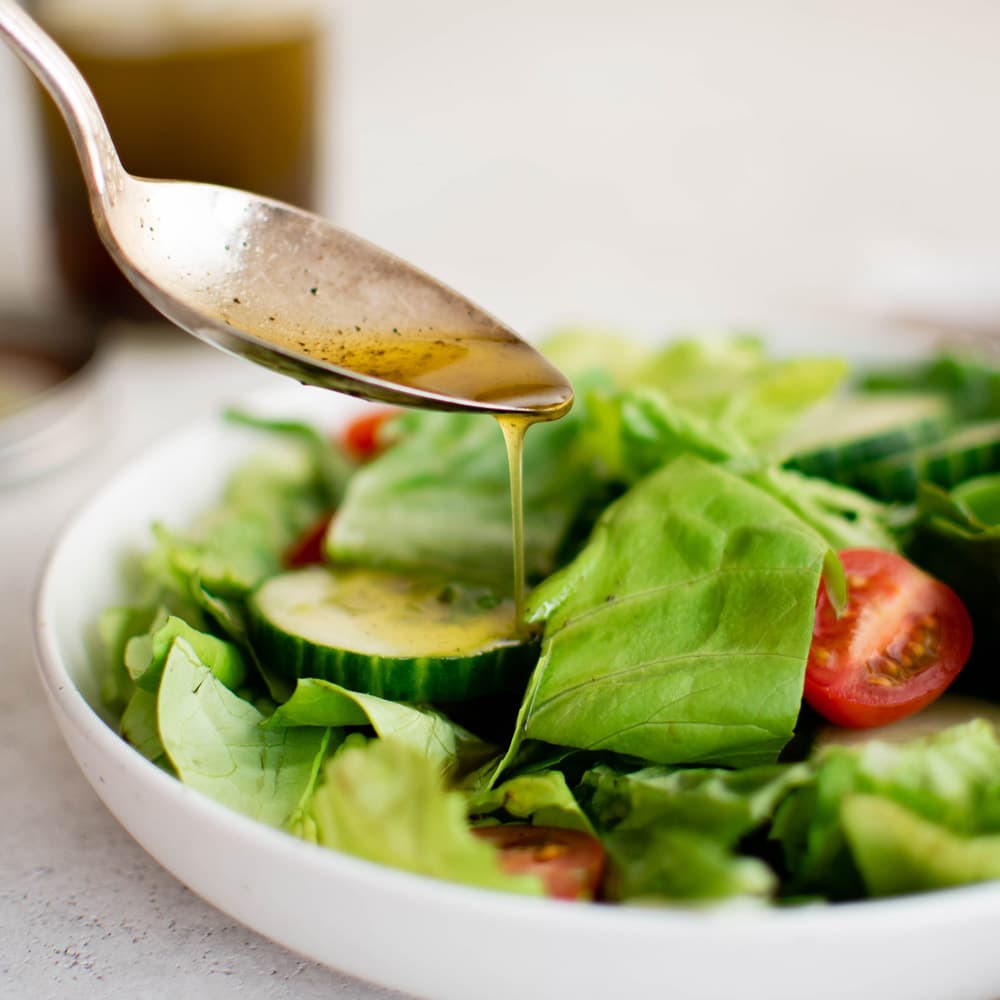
(84, 911)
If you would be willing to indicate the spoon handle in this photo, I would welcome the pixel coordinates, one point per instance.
(101, 166)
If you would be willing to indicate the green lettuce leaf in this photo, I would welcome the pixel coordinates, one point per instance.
(729, 381)
(897, 851)
(146, 654)
(844, 517)
(139, 726)
(268, 503)
(951, 779)
(680, 632)
(733, 382)
(438, 500)
(332, 465)
(724, 805)
(543, 798)
(387, 803)
(580, 353)
(217, 745)
(637, 431)
(435, 737)
(675, 834)
(115, 627)
(661, 864)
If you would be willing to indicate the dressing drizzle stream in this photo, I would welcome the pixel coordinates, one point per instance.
(514, 429)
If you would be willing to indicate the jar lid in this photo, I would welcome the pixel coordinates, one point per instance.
(49, 408)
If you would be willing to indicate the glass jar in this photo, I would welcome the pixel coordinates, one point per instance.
(225, 92)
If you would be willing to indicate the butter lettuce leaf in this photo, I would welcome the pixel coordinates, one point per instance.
(543, 798)
(386, 802)
(639, 430)
(139, 725)
(438, 500)
(723, 804)
(331, 464)
(115, 627)
(580, 352)
(216, 744)
(734, 383)
(950, 779)
(846, 518)
(898, 852)
(717, 397)
(674, 834)
(447, 745)
(681, 630)
(146, 654)
(268, 503)
(661, 864)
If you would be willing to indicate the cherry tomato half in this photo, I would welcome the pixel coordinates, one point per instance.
(307, 549)
(900, 642)
(361, 438)
(569, 863)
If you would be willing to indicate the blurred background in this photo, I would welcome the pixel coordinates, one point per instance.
(644, 165)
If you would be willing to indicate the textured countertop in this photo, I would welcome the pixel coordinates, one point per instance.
(84, 911)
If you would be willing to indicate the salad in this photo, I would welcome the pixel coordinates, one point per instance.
(749, 576)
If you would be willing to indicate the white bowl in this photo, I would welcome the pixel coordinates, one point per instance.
(427, 937)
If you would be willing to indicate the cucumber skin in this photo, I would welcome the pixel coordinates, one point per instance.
(897, 477)
(410, 679)
(840, 462)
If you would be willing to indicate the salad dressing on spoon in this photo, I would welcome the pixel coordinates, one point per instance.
(286, 289)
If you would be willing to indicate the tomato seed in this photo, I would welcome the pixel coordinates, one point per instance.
(549, 851)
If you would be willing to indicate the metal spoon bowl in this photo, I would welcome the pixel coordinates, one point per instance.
(283, 287)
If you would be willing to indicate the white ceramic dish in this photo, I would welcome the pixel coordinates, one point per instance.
(431, 938)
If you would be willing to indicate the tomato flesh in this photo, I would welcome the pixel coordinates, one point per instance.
(307, 549)
(901, 640)
(569, 863)
(362, 438)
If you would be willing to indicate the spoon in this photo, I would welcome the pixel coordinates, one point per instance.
(282, 287)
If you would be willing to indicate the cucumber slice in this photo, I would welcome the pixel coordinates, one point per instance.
(974, 450)
(852, 432)
(407, 638)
